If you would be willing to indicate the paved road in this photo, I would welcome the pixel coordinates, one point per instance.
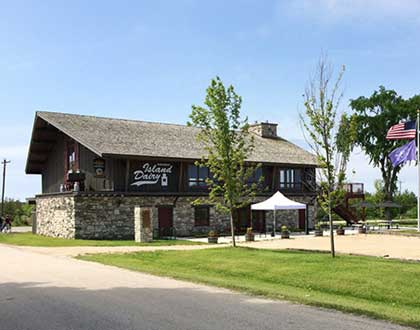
(49, 292)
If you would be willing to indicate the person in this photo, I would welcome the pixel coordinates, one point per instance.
(7, 224)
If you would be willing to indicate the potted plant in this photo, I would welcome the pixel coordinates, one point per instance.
(285, 232)
(213, 237)
(340, 230)
(318, 230)
(249, 236)
(362, 228)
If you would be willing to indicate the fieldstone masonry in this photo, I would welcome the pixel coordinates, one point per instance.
(143, 226)
(112, 216)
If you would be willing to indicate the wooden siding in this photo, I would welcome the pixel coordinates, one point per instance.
(115, 174)
(53, 171)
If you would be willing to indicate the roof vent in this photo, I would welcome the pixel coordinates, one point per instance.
(265, 130)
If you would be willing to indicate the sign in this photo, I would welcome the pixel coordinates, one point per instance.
(99, 166)
(151, 176)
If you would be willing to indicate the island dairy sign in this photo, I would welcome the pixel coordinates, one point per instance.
(152, 177)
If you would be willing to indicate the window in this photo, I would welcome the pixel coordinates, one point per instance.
(256, 176)
(291, 178)
(202, 215)
(197, 176)
(71, 157)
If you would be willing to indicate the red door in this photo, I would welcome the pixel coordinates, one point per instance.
(165, 217)
(302, 219)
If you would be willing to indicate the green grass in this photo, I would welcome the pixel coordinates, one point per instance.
(29, 239)
(386, 289)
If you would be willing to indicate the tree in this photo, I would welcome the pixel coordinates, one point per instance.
(330, 144)
(227, 144)
(373, 116)
(20, 212)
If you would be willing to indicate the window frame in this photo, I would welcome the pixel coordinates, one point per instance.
(198, 220)
(288, 178)
(197, 182)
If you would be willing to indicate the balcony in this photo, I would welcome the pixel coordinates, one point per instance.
(354, 189)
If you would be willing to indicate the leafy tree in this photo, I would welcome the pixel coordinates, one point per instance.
(373, 116)
(227, 144)
(19, 211)
(330, 144)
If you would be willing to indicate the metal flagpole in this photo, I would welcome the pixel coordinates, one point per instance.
(418, 169)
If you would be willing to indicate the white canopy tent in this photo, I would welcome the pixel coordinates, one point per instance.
(277, 202)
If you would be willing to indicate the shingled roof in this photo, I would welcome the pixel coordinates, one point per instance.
(121, 137)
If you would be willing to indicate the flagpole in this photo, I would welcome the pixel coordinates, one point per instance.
(418, 169)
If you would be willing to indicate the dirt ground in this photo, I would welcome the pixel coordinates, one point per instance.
(372, 245)
(390, 246)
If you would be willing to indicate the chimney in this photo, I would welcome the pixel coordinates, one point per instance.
(265, 130)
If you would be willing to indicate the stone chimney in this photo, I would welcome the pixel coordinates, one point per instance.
(265, 130)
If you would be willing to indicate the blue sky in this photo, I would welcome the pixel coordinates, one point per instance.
(151, 60)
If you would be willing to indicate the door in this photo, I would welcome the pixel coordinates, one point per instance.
(165, 220)
(302, 219)
(242, 219)
(258, 221)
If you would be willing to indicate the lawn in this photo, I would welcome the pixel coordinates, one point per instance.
(379, 288)
(29, 239)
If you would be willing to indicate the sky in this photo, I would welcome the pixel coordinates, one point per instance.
(152, 60)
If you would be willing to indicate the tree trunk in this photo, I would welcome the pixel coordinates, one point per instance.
(331, 226)
(232, 228)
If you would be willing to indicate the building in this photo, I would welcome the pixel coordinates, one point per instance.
(96, 170)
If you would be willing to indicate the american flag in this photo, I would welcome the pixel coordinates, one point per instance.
(405, 130)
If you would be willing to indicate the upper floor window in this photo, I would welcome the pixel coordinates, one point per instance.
(256, 176)
(71, 161)
(290, 178)
(197, 176)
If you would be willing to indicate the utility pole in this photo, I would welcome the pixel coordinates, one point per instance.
(4, 162)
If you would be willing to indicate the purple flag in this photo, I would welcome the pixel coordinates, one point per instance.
(403, 154)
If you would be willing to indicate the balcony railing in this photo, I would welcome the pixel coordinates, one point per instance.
(354, 188)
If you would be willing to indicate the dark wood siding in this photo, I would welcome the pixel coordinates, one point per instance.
(53, 171)
(93, 182)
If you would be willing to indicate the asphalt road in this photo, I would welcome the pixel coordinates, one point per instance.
(45, 292)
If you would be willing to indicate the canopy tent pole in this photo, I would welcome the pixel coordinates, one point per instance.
(274, 223)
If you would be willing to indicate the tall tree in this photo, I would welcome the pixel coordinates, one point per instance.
(330, 144)
(373, 116)
(227, 144)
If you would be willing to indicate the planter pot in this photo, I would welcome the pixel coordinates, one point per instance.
(213, 240)
(249, 237)
(362, 230)
(319, 233)
(285, 234)
(340, 232)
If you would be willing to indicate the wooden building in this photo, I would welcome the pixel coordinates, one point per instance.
(95, 170)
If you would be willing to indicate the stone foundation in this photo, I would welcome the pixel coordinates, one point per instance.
(111, 216)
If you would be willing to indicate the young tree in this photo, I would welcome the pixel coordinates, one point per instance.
(227, 143)
(331, 145)
(373, 116)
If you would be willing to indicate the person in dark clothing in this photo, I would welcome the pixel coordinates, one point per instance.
(7, 224)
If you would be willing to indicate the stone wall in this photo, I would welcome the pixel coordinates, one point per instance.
(55, 216)
(108, 216)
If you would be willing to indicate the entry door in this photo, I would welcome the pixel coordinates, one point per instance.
(242, 219)
(165, 217)
(258, 221)
(302, 219)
